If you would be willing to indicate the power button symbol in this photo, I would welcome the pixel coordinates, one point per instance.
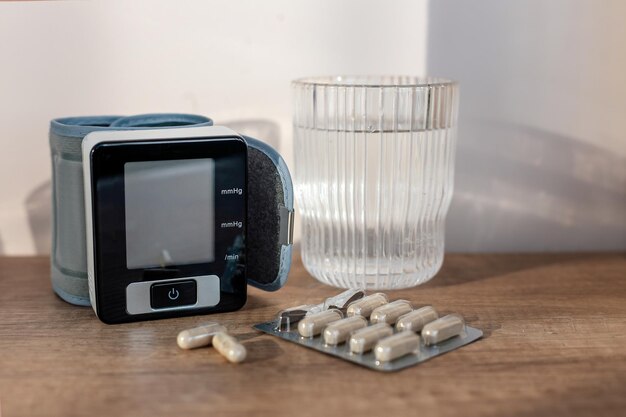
(173, 294)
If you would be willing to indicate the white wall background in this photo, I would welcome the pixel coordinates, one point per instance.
(542, 139)
(541, 161)
(232, 60)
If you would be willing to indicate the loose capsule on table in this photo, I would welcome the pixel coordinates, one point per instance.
(417, 319)
(229, 347)
(442, 329)
(389, 313)
(340, 330)
(198, 336)
(363, 340)
(366, 305)
(396, 346)
(314, 324)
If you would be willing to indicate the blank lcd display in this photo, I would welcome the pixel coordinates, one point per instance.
(169, 212)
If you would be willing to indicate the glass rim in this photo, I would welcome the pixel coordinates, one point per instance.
(374, 81)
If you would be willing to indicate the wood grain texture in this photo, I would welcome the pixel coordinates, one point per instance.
(555, 344)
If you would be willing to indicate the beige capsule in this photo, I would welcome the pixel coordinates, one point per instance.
(389, 313)
(229, 347)
(366, 305)
(198, 336)
(415, 320)
(396, 346)
(363, 340)
(313, 324)
(443, 329)
(340, 330)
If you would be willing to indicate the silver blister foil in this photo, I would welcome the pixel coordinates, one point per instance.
(368, 360)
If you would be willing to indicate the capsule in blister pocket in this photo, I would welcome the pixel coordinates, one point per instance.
(314, 324)
(416, 319)
(339, 331)
(443, 329)
(366, 305)
(389, 313)
(364, 339)
(396, 346)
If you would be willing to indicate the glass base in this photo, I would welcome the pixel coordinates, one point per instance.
(381, 275)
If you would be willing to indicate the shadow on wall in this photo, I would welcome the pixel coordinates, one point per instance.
(38, 202)
(537, 167)
(38, 208)
(520, 188)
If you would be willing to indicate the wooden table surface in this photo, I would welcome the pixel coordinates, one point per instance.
(555, 344)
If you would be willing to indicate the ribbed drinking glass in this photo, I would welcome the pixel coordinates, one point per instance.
(374, 170)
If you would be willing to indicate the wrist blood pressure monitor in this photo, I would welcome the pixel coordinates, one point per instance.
(172, 216)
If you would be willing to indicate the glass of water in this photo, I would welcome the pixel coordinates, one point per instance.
(374, 170)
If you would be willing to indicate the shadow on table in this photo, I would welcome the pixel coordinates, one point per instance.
(461, 268)
(254, 302)
(259, 349)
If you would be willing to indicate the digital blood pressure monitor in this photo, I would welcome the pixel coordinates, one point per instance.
(178, 221)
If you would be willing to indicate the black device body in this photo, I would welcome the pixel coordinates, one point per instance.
(173, 281)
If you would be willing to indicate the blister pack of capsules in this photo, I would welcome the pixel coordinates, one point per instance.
(372, 331)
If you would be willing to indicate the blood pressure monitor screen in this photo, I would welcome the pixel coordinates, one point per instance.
(169, 212)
